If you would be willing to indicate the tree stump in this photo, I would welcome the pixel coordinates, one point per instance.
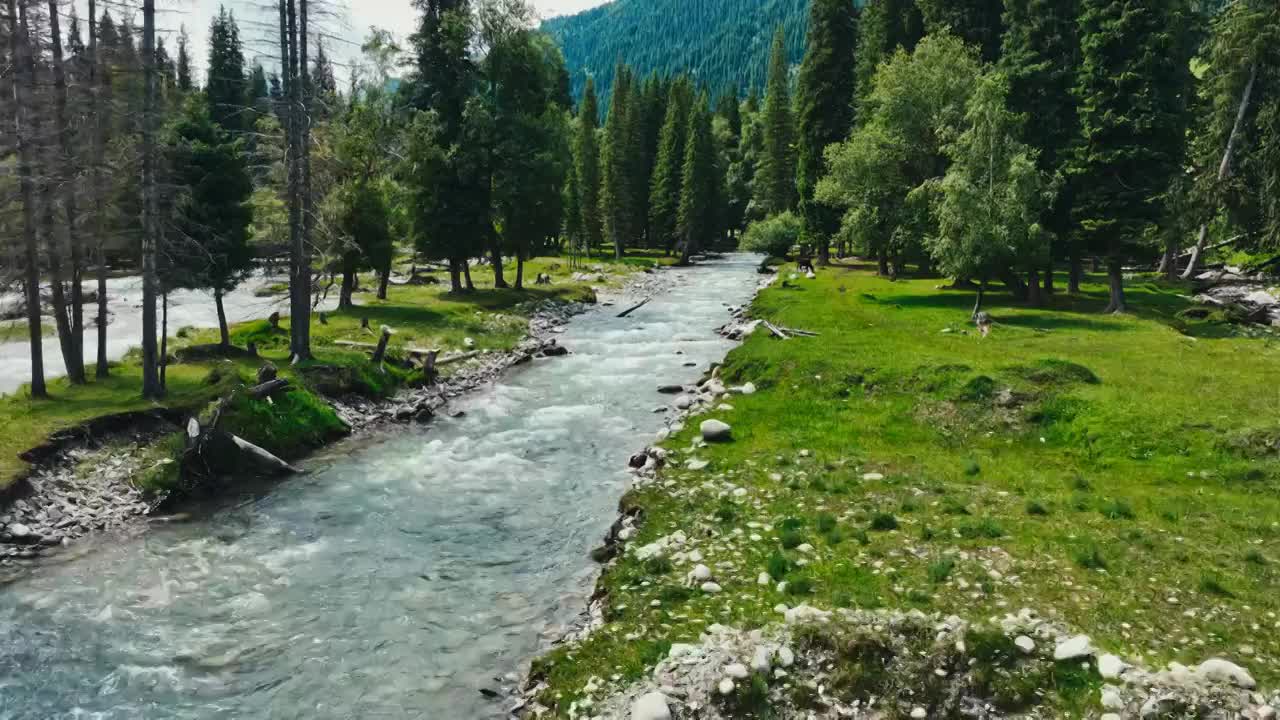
(252, 348)
(380, 352)
(274, 319)
(364, 323)
(324, 319)
(429, 373)
(267, 373)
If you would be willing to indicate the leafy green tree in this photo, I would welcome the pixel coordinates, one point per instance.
(977, 22)
(776, 176)
(1134, 85)
(774, 236)
(991, 196)
(824, 110)
(699, 185)
(227, 87)
(667, 184)
(587, 166)
(209, 243)
(363, 221)
(1040, 57)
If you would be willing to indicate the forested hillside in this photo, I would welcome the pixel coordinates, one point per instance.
(718, 42)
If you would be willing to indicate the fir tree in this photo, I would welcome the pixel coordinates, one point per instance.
(226, 88)
(667, 184)
(885, 26)
(824, 96)
(587, 165)
(184, 61)
(618, 197)
(698, 191)
(776, 177)
(977, 22)
(1133, 88)
(324, 86)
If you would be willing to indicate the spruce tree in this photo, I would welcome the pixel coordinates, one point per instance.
(184, 60)
(667, 184)
(618, 197)
(776, 177)
(587, 160)
(824, 95)
(227, 86)
(698, 212)
(977, 22)
(1134, 84)
(1040, 57)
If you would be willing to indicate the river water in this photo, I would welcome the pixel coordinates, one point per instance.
(396, 579)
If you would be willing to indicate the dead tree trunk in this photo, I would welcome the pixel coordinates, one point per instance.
(348, 281)
(224, 334)
(1033, 289)
(381, 351)
(151, 387)
(1224, 168)
(19, 48)
(1115, 278)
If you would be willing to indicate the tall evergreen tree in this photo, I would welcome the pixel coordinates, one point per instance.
(618, 197)
(587, 162)
(776, 177)
(184, 60)
(1040, 58)
(977, 22)
(824, 97)
(227, 87)
(324, 85)
(1134, 85)
(884, 26)
(668, 173)
(698, 211)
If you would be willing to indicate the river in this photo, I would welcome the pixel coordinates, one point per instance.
(399, 577)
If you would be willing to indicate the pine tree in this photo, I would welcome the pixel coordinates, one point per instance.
(184, 60)
(824, 97)
(776, 177)
(226, 88)
(324, 85)
(587, 161)
(1040, 58)
(698, 211)
(977, 22)
(885, 26)
(1134, 85)
(667, 184)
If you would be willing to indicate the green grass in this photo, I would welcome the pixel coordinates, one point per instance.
(16, 331)
(422, 316)
(1122, 468)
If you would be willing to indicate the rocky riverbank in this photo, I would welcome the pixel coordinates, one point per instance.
(84, 485)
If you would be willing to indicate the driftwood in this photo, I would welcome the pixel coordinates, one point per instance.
(210, 438)
(635, 307)
(777, 331)
(795, 331)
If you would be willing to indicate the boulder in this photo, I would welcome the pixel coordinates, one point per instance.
(1110, 667)
(651, 706)
(670, 389)
(555, 350)
(715, 430)
(684, 402)
(1221, 670)
(1078, 646)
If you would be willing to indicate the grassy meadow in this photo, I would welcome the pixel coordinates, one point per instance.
(1118, 473)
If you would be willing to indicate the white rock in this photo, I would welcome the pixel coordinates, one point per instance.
(785, 656)
(747, 389)
(737, 671)
(701, 572)
(872, 476)
(1265, 712)
(1110, 667)
(684, 402)
(679, 650)
(919, 713)
(469, 342)
(1110, 716)
(1226, 671)
(726, 686)
(760, 660)
(697, 463)
(1025, 644)
(1072, 648)
(714, 430)
(710, 587)
(1111, 699)
(806, 613)
(19, 530)
(763, 579)
(651, 706)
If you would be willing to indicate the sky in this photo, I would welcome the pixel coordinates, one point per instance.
(343, 29)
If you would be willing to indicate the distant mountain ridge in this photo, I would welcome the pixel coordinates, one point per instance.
(721, 43)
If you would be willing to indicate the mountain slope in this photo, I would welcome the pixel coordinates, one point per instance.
(719, 42)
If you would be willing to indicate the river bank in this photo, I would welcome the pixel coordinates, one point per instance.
(910, 521)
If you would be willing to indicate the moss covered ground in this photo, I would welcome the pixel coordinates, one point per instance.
(1120, 474)
(422, 315)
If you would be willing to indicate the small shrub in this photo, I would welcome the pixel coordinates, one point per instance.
(777, 566)
(1255, 557)
(986, 528)
(1051, 371)
(927, 533)
(862, 537)
(826, 523)
(884, 522)
(1090, 558)
(1212, 586)
(726, 511)
(1079, 482)
(1035, 508)
(800, 586)
(773, 236)
(919, 597)
(674, 594)
(658, 565)
(791, 523)
(980, 387)
(1117, 510)
(951, 506)
(790, 539)
(941, 570)
(971, 467)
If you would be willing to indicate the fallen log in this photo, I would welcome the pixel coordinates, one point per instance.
(263, 457)
(635, 307)
(457, 358)
(794, 331)
(777, 331)
(268, 388)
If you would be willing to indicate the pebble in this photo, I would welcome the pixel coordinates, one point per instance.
(710, 587)
(872, 476)
(726, 686)
(701, 572)
(1078, 646)
(760, 660)
(737, 671)
(785, 656)
(1025, 644)
(919, 713)
(1111, 699)
(651, 706)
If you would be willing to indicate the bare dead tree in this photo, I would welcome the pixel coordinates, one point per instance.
(99, 84)
(151, 386)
